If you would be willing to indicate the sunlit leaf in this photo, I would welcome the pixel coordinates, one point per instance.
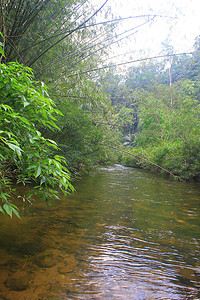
(38, 171)
(43, 179)
(8, 209)
(1, 209)
(14, 148)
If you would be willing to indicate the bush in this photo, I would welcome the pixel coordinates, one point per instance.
(26, 155)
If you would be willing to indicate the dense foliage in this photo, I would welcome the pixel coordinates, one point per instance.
(26, 155)
(39, 144)
(153, 110)
(160, 107)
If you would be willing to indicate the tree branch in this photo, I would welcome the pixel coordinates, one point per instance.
(128, 62)
(31, 63)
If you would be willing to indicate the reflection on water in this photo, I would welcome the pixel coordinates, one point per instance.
(126, 234)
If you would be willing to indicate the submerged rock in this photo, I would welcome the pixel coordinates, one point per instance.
(30, 248)
(46, 261)
(18, 282)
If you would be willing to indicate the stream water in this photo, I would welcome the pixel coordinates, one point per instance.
(125, 234)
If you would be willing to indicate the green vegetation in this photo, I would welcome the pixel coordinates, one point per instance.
(164, 104)
(26, 155)
(48, 137)
(86, 118)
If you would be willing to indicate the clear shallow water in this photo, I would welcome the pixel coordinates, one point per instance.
(125, 234)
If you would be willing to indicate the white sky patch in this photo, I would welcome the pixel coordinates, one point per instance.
(180, 27)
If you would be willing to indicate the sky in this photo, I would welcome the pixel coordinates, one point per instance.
(179, 26)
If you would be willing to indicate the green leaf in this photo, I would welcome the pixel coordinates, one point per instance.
(24, 120)
(38, 132)
(8, 208)
(26, 103)
(43, 179)
(14, 147)
(38, 171)
(16, 212)
(1, 51)
(1, 209)
(6, 107)
(51, 141)
(13, 205)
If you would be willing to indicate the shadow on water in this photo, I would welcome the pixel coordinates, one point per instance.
(125, 234)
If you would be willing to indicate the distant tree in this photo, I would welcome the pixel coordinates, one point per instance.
(194, 69)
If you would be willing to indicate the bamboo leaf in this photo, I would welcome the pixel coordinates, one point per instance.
(1, 209)
(8, 209)
(16, 212)
(38, 171)
(14, 147)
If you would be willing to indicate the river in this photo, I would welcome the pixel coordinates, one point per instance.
(124, 234)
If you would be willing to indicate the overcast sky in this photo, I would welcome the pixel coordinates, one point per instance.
(181, 27)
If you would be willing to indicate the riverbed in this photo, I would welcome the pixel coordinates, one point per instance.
(124, 234)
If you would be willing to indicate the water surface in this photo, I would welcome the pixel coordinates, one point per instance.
(125, 234)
